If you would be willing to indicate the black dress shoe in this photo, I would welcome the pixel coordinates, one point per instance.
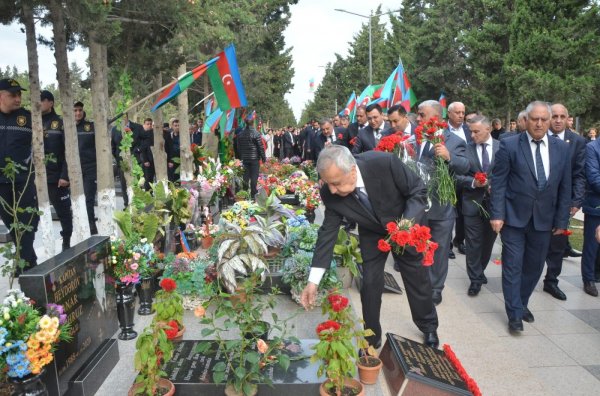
(484, 281)
(451, 255)
(527, 315)
(572, 253)
(474, 289)
(461, 248)
(515, 326)
(590, 288)
(554, 291)
(436, 297)
(431, 339)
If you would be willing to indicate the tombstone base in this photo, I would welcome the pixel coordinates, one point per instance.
(4, 234)
(96, 369)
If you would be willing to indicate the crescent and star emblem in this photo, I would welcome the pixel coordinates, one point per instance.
(227, 79)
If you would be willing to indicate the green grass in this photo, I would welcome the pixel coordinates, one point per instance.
(576, 238)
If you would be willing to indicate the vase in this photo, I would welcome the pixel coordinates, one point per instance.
(368, 369)
(345, 276)
(163, 384)
(30, 385)
(348, 383)
(230, 391)
(125, 311)
(207, 242)
(145, 290)
(310, 216)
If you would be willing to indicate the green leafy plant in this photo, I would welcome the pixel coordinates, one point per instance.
(242, 194)
(168, 303)
(347, 249)
(295, 274)
(271, 208)
(152, 349)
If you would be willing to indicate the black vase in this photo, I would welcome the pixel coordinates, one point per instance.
(145, 290)
(125, 311)
(30, 385)
(310, 216)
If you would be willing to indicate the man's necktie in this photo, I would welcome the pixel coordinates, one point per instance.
(556, 135)
(377, 134)
(364, 200)
(539, 166)
(485, 158)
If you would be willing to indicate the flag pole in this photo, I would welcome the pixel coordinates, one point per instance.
(121, 114)
(201, 100)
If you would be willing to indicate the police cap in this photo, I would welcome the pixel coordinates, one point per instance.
(46, 95)
(10, 85)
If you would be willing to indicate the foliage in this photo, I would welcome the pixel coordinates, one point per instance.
(152, 349)
(28, 338)
(297, 268)
(191, 275)
(347, 249)
(168, 303)
(300, 234)
(271, 208)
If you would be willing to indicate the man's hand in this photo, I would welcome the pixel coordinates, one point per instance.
(497, 225)
(574, 210)
(477, 184)
(63, 183)
(598, 234)
(558, 231)
(440, 150)
(170, 164)
(309, 296)
(147, 164)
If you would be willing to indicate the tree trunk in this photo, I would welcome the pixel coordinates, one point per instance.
(45, 228)
(186, 168)
(106, 181)
(209, 140)
(158, 150)
(81, 227)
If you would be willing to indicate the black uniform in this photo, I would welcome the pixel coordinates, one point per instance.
(251, 150)
(144, 155)
(15, 143)
(173, 151)
(86, 136)
(60, 198)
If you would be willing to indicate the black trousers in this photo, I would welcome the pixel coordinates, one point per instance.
(60, 198)
(459, 226)
(416, 282)
(251, 175)
(27, 199)
(89, 189)
(171, 174)
(479, 241)
(554, 258)
(148, 175)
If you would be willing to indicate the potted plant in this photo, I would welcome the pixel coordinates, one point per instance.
(347, 254)
(152, 349)
(369, 365)
(242, 195)
(207, 233)
(28, 340)
(295, 274)
(194, 277)
(168, 305)
(249, 355)
(335, 349)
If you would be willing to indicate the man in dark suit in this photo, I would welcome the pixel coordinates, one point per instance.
(479, 235)
(399, 122)
(558, 243)
(360, 123)
(440, 218)
(325, 138)
(372, 190)
(530, 201)
(457, 125)
(591, 225)
(369, 136)
(288, 143)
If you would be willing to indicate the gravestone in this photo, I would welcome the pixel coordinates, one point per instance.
(191, 372)
(4, 234)
(76, 280)
(411, 368)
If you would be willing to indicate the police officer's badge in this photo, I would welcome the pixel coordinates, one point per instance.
(54, 125)
(21, 120)
(87, 127)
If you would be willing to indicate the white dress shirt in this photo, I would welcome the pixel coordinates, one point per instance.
(544, 151)
(317, 273)
(460, 132)
(561, 135)
(408, 129)
(489, 150)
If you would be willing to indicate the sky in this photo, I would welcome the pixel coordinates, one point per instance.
(316, 32)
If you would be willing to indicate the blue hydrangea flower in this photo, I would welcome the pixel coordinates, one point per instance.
(3, 333)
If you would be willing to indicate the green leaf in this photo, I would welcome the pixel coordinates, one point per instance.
(221, 366)
(284, 361)
(206, 332)
(218, 376)
(239, 372)
(252, 357)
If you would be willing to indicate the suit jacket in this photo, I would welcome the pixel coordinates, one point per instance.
(342, 136)
(515, 197)
(466, 130)
(577, 154)
(394, 192)
(591, 204)
(365, 140)
(318, 143)
(391, 131)
(507, 134)
(478, 194)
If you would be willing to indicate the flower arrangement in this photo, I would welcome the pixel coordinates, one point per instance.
(192, 275)
(210, 176)
(271, 184)
(443, 185)
(335, 349)
(241, 213)
(404, 233)
(168, 305)
(28, 338)
(200, 154)
(471, 384)
(131, 259)
(310, 169)
(295, 274)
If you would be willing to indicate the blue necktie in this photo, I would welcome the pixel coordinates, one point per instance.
(539, 166)
(485, 158)
(364, 200)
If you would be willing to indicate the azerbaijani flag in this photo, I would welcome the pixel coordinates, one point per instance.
(226, 122)
(350, 109)
(444, 105)
(208, 107)
(212, 121)
(181, 84)
(386, 95)
(368, 94)
(226, 81)
(408, 95)
(311, 85)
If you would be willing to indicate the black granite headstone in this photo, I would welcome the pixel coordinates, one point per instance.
(192, 372)
(76, 280)
(4, 234)
(411, 368)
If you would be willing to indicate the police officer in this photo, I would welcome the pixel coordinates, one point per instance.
(16, 136)
(56, 169)
(87, 155)
(144, 152)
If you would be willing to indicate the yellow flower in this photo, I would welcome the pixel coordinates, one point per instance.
(45, 322)
(32, 343)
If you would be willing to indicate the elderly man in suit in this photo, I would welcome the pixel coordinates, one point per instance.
(360, 123)
(325, 138)
(440, 218)
(368, 137)
(479, 235)
(559, 243)
(530, 201)
(372, 190)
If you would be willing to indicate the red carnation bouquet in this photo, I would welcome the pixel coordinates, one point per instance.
(442, 184)
(471, 384)
(481, 177)
(397, 144)
(404, 233)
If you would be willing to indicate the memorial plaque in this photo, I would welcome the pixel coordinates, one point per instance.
(411, 368)
(192, 372)
(76, 280)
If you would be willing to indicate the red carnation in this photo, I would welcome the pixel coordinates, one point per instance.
(173, 329)
(401, 237)
(391, 227)
(329, 325)
(384, 246)
(567, 232)
(168, 284)
(340, 136)
(353, 141)
(481, 177)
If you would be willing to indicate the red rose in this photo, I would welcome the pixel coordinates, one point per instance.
(481, 177)
(168, 284)
(391, 227)
(384, 246)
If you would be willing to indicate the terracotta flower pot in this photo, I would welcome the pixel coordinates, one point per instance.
(207, 242)
(164, 384)
(368, 369)
(348, 382)
(179, 335)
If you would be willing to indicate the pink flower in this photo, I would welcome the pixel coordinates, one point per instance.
(136, 256)
(261, 346)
